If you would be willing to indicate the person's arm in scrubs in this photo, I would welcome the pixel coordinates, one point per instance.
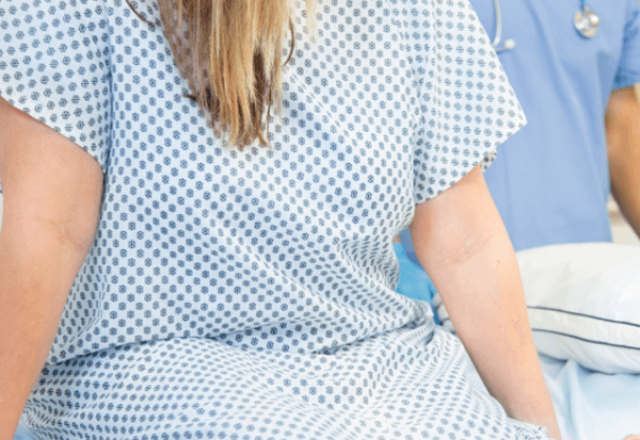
(52, 191)
(623, 122)
(623, 139)
(461, 241)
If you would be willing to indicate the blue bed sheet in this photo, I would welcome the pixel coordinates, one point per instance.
(414, 282)
(589, 405)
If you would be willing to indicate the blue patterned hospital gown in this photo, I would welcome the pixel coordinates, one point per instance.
(250, 294)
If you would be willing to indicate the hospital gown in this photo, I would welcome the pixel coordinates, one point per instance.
(249, 294)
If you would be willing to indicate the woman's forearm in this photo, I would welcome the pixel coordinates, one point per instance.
(472, 263)
(491, 320)
(38, 264)
(33, 291)
(52, 191)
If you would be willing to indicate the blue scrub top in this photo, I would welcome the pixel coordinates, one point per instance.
(550, 181)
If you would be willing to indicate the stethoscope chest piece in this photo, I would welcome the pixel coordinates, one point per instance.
(586, 22)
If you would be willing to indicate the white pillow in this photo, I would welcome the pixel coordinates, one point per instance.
(584, 303)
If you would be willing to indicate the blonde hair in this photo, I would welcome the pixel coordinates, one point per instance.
(231, 52)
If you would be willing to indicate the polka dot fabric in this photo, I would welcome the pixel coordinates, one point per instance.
(467, 107)
(408, 386)
(250, 294)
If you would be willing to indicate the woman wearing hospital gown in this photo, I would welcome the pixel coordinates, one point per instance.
(197, 242)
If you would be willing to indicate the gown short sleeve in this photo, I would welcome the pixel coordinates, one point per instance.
(467, 106)
(54, 66)
(628, 72)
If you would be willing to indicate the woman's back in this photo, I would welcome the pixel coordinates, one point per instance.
(262, 247)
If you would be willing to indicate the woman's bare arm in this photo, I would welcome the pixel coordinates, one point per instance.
(462, 243)
(52, 191)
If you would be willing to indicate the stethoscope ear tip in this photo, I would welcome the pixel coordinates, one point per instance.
(508, 45)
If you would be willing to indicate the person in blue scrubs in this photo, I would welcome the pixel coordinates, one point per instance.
(552, 180)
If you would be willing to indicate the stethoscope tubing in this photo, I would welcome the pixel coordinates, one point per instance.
(509, 44)
(498, 36)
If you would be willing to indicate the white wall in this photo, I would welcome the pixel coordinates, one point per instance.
(622, 232)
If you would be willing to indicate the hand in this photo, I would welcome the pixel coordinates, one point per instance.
(632, 437)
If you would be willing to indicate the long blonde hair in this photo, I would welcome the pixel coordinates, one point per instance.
(231, 52)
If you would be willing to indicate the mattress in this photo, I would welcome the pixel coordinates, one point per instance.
(589, 405)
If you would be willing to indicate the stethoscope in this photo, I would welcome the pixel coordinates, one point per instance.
(585, 21)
